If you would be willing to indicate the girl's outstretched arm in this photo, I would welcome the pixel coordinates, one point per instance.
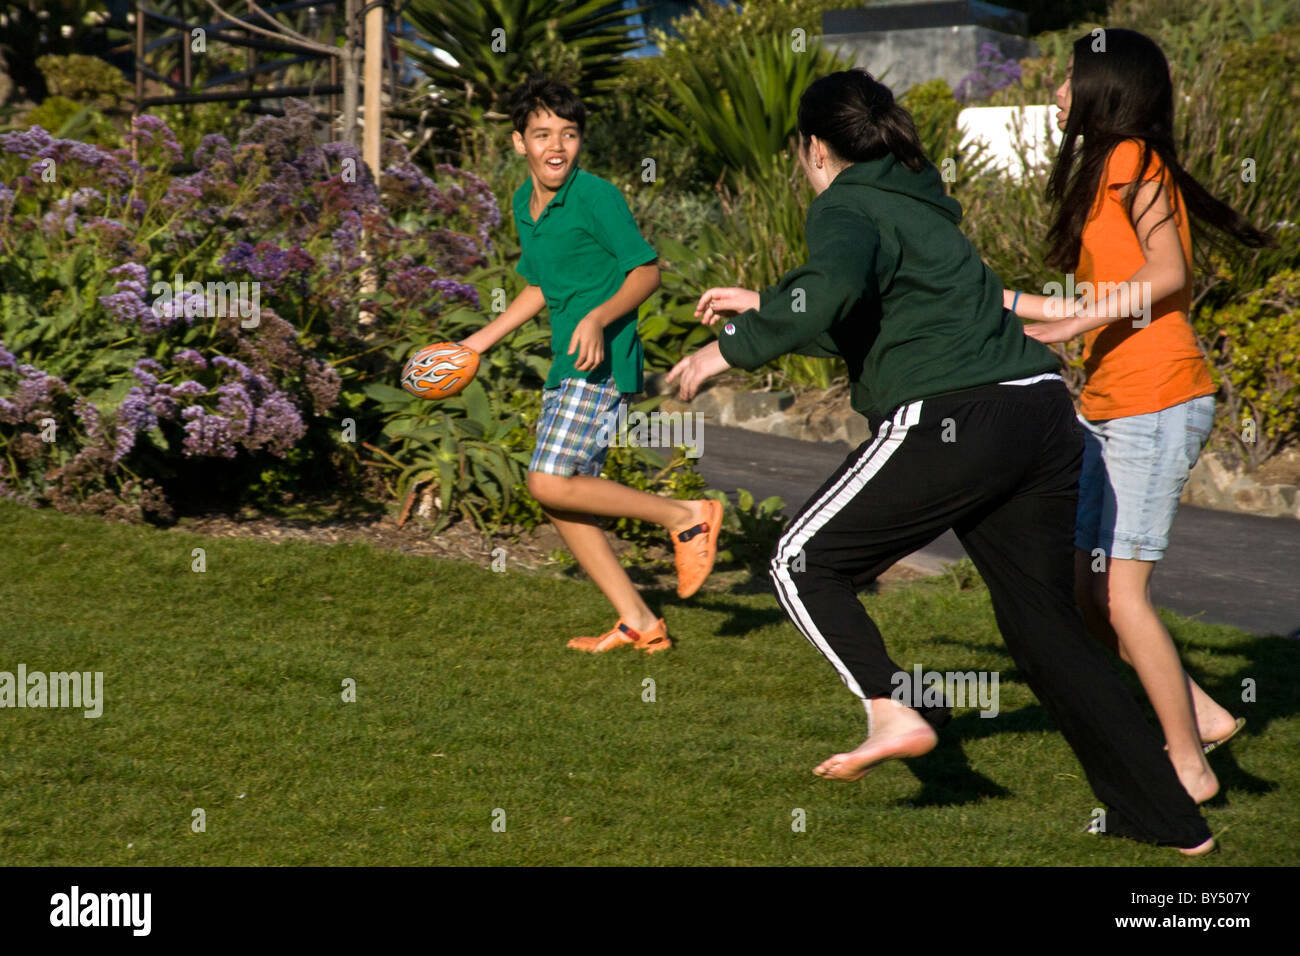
(841, 270)
(1163, 274)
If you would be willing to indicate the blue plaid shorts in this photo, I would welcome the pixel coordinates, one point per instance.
(570, 440)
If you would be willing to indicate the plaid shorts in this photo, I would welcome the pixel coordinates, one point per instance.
(569, 438)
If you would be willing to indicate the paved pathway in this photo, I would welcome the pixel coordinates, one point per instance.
(1227, 568)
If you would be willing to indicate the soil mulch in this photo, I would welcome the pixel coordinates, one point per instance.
(541, 550)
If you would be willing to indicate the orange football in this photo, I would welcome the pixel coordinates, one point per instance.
(439, 370)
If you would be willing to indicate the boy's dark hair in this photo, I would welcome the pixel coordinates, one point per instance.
(541, 93)
(1118, 93)
(856, 116)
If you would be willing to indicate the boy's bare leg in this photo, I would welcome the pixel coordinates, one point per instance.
(600, 496)
(587, 541)
(895, 731)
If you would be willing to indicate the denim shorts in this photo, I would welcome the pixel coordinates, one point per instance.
(570, 437)
(1134, 469)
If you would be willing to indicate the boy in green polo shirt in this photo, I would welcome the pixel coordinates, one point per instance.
(585, 260)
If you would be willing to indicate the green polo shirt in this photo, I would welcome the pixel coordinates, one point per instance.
(579, 252)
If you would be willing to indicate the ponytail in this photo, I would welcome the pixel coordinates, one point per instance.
(859, 120)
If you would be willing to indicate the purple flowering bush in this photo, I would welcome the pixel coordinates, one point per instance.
(188, 334)
(61, 449)
(992, 72)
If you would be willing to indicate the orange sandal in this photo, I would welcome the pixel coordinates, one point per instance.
(652, 640)
(696, 548)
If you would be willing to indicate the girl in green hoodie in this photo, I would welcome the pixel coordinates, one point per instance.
(974, 430)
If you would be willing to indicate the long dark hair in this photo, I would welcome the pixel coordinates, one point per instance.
(1124, 92)
(858, 119)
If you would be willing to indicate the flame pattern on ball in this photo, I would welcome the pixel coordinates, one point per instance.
(440, 370)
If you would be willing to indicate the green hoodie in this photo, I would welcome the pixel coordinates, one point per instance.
(893, 287)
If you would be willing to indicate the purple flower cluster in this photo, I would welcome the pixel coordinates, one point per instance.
(150, 131)
(323, 385)
(113, 237)
(268, 263)
(992, 72)
(413, 284)
(476, 197)
(129, 304)
(360, 191)
(250, 411)
(213, 150)
(92, 423)
(405, 186)
(63, 217)
(112, 169)
(190, 357)
(348, 235)
(453, 290)
(181, 192)
(34, 396)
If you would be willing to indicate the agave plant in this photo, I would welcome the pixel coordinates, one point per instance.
(738, 123)
(462, 448)
(496, 42)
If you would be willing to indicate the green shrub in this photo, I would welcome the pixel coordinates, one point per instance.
(86, 80)
(69, 120)
(934, 111)
(738, 103)
(753, 529)
(714, 26)
(495, 43)
(1254, 346)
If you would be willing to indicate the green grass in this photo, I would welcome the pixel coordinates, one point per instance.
(223, 691)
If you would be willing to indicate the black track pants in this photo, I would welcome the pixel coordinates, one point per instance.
(1000, 465)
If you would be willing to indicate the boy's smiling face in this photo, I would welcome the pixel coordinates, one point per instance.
(551, 145)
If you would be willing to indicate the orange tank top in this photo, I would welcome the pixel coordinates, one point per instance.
(1135, 371)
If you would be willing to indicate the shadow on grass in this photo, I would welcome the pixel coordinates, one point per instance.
(945, 773)
(947, 778)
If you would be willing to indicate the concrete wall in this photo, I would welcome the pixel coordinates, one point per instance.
(1012, 135)
(915, 56)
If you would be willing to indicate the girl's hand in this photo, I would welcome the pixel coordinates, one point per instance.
(694, 370)
(1050, 333)
(714, 302)
(588, 340)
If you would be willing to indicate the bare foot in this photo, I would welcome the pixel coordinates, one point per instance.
(1201, 850)
(1199, 781)
(1216, 726)
(899, 732)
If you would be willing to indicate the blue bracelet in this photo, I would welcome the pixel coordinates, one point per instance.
(1014, 300)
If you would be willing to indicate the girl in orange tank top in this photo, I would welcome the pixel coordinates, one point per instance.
(1123, 231)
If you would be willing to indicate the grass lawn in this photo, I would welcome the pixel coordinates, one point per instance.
(223, 690)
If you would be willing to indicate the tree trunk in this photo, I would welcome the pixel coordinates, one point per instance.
(351, 71)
